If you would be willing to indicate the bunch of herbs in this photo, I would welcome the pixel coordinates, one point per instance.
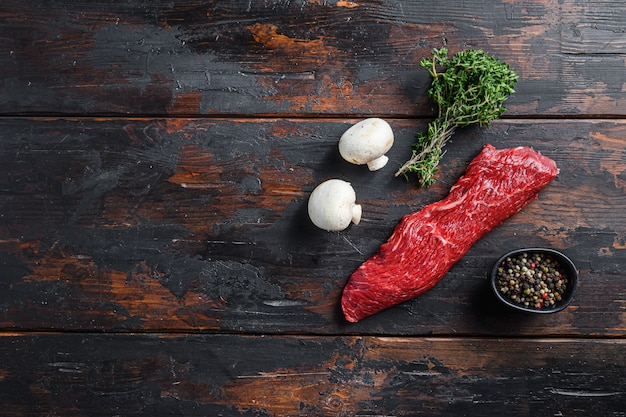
(469, 88)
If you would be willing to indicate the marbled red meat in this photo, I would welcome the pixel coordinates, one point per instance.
(426, 244)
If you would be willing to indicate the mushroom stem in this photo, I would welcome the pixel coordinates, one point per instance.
(357, 211)
(378, 163)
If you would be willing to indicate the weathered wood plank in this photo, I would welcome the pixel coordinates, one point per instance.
(135, 375)
(185, 224)
(299, 57)
(594, 28)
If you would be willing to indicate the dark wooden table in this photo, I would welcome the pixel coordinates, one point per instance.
(156, 256)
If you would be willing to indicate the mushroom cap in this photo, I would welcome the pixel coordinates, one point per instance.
(332, 205)
(366, 141)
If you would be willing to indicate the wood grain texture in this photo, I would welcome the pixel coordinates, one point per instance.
(155, 252)
(299, 57)
(228, 375)
(184, 225)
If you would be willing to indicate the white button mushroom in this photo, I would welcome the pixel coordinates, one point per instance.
(332, 206)
(366, 143)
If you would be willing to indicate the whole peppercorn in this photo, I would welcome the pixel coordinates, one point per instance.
(532, 280)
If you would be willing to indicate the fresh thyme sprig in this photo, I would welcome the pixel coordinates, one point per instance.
(470, 88)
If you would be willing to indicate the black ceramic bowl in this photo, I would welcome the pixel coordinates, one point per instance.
(535, 295)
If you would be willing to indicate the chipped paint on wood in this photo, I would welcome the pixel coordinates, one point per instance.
(277, 58)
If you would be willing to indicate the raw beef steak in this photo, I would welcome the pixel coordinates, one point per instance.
(426, 244)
